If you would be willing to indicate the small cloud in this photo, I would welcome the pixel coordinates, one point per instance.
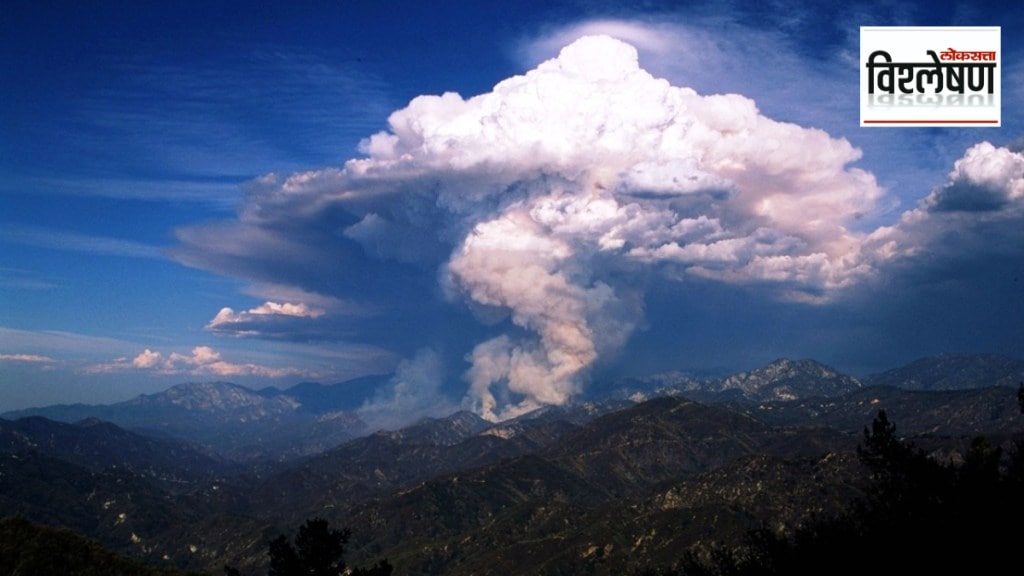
(270, 319)
(985, 179)
(202, 360)
(147, 359)
(977, 213)
(26, 358)
(227, 316)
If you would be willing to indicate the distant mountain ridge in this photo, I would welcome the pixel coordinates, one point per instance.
(317, 398)
(786, 379)
(275, 424)
(98, 445)
(953, 372)
(782, 379)
(218, 397)
(233, 420)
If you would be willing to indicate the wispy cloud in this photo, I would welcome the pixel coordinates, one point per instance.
(37, 366)
(28, 358)
(242, 112)
(61, 344)
(56, 239)
(19, 279)
(219, 192)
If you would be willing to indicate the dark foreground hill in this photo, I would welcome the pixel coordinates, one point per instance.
(98, 445)
(599, 488)
(633, 488)
(28, 549)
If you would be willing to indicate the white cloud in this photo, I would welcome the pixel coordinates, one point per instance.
(977, 213)
(200, 361)
(591, 157)
(249, 321)
(985, 178)
(28, 358)
(326, 320)
(147, 359)
(555, 198)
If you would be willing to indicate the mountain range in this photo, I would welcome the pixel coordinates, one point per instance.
(621, 481)
(236, 422)
(278, 425)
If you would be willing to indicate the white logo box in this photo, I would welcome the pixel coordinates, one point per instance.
(930, 76)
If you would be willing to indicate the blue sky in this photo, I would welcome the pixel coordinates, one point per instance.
(194, 191)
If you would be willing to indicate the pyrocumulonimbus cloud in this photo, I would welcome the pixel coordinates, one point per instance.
(550, 199)
(588, 166)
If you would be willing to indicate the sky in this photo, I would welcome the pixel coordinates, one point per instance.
(497, 203)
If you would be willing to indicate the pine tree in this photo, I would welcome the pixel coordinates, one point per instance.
(318, 550)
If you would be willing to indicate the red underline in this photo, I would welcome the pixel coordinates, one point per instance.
(931, 121)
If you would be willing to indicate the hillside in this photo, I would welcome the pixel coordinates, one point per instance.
(30, 549)
(953, 372)
(238, 423)
(99, 445)
(598, 487)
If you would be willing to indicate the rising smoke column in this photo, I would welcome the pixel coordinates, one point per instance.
(552, 199)
(587, 166)
(518, 263)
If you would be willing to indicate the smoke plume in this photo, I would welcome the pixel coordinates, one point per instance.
(547, 204)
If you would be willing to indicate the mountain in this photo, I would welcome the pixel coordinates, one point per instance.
(656, 440)
(790, 380)
(953, 372)
(441, 431)
(319, 398)
(277, 425)
(598, 487)
(27, 548)
(964, 413)
(390, 460)
(595, 488)
(395, 460)
(785, 380)
(124, 511)
(232, 420)
(586, 503)
(782, 379)
(98, 445)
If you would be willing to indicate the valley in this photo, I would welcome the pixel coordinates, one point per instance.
(627, 480)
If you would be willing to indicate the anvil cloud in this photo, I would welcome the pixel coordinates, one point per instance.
(501, 209)
(546, 205)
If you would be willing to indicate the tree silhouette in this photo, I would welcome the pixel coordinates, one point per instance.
(918, 516)
(318, 550)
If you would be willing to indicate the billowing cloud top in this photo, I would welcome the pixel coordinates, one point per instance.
(550, 200)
